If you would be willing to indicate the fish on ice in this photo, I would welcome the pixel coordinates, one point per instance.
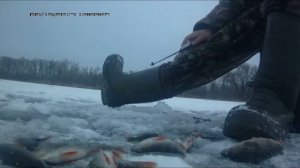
(64, 154)
(18, 157)
(163, 144)
(115, 159)
(254, 150)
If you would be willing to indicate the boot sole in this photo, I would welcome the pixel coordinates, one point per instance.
(107, 91)
(243, 123)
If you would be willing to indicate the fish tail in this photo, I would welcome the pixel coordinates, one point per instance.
(190, 140)
(188, 143)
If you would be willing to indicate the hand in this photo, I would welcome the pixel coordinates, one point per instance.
(197, 37)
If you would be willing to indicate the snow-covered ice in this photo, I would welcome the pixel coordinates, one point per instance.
(77, 115)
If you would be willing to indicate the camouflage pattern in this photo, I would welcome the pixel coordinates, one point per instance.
(225, 12)
(228, 48)
(239, 26)
(228, 10)
(293, 7)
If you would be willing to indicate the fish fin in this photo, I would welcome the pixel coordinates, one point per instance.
(146, 164)
(70, 153)
(136, 164)
(141, 137)
(107, 160)
(41, 139)
(159, 138)
(117, 155)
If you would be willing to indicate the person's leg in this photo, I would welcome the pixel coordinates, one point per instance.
(227, 49)
(269, 111)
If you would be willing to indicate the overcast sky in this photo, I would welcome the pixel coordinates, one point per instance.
(140, 31)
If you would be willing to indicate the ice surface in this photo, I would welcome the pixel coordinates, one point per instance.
(77, 115)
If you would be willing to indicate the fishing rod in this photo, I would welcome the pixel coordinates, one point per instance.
(186, 46)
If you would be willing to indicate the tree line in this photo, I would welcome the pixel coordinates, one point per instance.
(231, 86)
(234, 86)
(65, 72)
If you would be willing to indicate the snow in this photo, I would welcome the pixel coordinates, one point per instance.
(77, 115)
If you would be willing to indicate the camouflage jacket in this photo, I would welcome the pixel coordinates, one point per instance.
(225, 12)
(228, 10)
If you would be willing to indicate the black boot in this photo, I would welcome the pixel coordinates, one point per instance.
(269, 111)
(225, 50)
(296, 124)
(120, 88)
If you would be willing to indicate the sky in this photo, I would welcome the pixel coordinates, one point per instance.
(140, 31)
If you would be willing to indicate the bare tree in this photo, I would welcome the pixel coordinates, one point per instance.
(50, 71)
